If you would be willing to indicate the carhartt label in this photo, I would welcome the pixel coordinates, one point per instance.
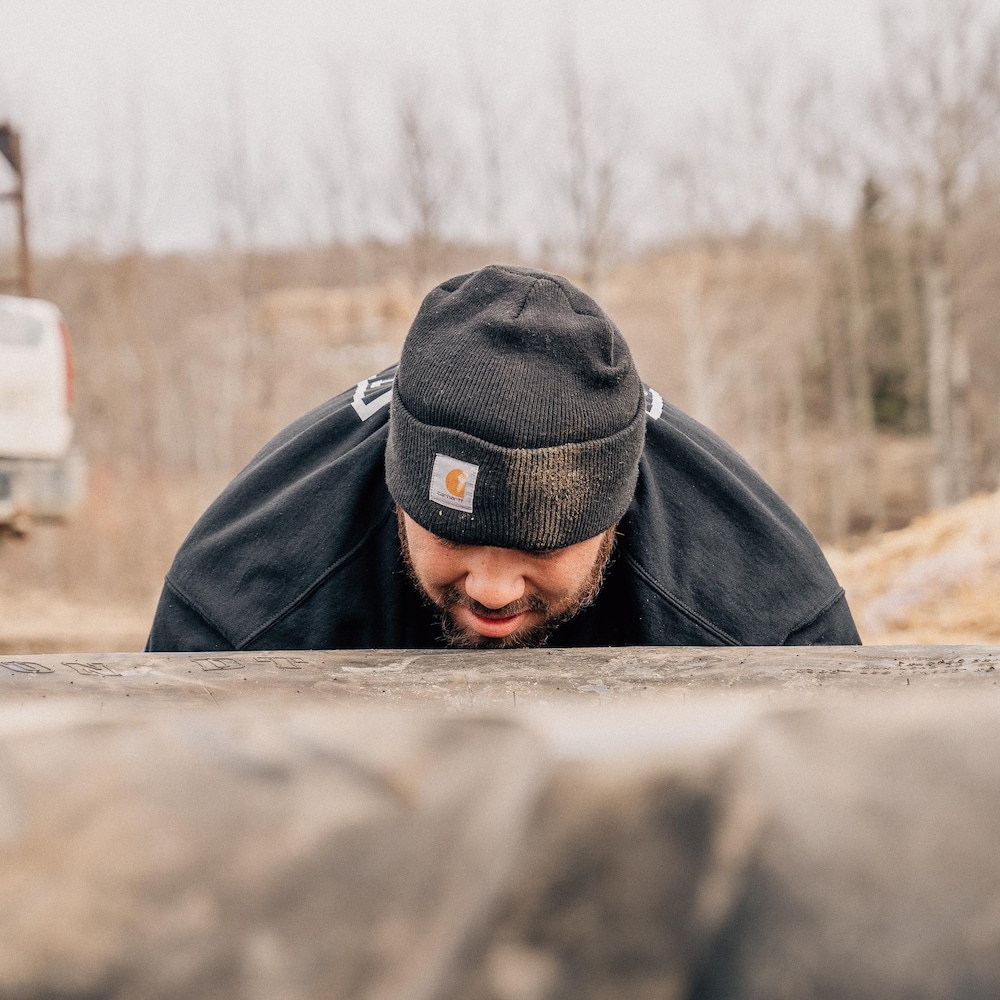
(453, 483)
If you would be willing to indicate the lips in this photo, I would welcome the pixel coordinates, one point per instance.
(494, 628)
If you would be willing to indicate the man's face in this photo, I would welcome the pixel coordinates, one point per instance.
(493, 597)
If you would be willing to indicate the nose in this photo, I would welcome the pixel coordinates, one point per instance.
(495, 577)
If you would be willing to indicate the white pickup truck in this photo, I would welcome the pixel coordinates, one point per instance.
(41, 473)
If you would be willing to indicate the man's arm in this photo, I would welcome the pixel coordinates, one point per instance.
(831, 626)
(177, 627)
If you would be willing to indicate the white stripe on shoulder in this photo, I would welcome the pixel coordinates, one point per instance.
(655, 407)
(368, 400)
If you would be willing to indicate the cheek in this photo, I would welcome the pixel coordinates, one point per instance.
(570, 572)
(435, 567)
(564, 579)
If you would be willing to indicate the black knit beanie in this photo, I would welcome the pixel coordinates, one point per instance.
(517, 416)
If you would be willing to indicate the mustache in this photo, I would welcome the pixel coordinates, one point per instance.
(451, 597)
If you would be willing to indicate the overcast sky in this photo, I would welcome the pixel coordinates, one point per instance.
(90, 82)
(78, 56)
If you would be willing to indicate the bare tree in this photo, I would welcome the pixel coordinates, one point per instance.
(249, 191)
(822, 181)
(773, 174)
(597, 130)
(939, 109)
(492, 136)
(247, 185)
(340, 165)
(428, 173)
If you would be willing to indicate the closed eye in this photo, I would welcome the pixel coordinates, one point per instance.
(449, 544)
(544, 554)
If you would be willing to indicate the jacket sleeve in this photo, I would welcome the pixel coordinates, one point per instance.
(832, 625)
(179, 628)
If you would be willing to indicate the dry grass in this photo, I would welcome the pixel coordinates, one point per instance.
(936, 581)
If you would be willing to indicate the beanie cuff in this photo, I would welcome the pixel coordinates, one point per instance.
(517, 498)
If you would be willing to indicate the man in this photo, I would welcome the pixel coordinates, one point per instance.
(522, 487)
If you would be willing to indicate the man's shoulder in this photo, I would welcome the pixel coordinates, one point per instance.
(302, 508)
(709, 539)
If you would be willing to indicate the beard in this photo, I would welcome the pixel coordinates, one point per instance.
(461, 636)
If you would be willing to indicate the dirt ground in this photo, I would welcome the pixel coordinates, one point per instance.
(936, 581)
(90, 584)
(35, 621)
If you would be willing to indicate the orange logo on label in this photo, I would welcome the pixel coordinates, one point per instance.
(455, 483)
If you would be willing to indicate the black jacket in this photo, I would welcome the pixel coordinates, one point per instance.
(301, 551)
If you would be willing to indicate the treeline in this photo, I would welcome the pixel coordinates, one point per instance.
(813, 273)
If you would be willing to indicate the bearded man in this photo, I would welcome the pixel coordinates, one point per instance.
(511, 482)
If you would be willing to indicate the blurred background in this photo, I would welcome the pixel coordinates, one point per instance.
(792, 212)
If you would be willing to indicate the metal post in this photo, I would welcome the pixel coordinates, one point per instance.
(10, 148)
